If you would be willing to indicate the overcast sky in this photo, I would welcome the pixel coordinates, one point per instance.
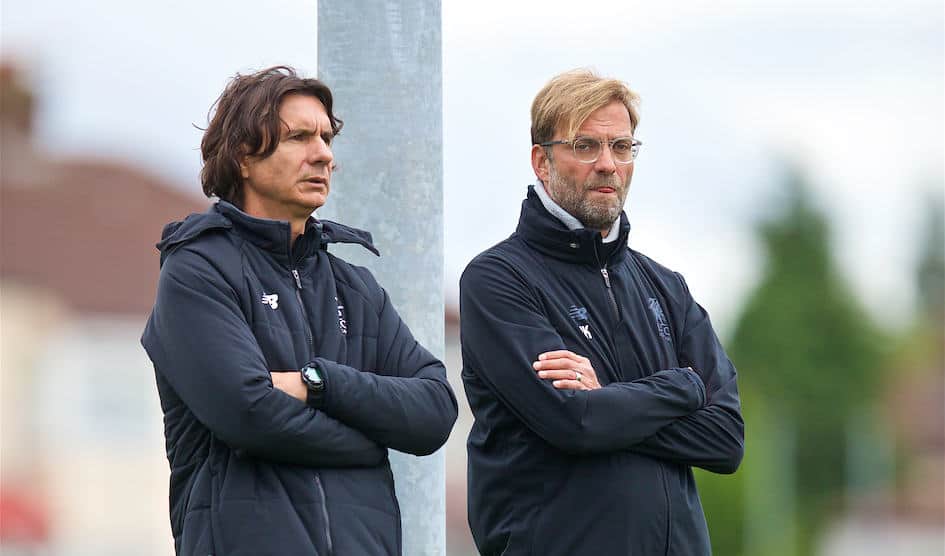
(851, 90)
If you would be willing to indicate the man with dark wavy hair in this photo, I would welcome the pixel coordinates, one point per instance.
(284, 373)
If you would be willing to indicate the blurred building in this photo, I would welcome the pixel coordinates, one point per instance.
(83, 468)
(907, 516)
(906, 513)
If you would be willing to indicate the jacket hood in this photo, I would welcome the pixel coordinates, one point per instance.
(546, 233)
(178, 233)
(270, 235)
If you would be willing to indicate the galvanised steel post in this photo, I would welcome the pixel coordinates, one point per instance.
(382, 61)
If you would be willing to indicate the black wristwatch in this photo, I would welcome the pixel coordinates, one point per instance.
(312, 378)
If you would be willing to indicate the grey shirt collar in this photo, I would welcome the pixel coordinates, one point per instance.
(566, 218)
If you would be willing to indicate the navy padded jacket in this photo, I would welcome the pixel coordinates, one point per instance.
(255, 471)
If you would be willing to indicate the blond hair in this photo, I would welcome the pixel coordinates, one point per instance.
(569, 98)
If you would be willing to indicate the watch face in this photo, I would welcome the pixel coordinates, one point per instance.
(311, 375)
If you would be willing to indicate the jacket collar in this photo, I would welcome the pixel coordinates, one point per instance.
(565, 217)
(274, 236)
(547, 234)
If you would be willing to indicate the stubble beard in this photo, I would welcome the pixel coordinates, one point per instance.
(576, 201)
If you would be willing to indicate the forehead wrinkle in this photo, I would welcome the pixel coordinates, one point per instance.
(307, 127)
(302, 123)
(306, 116)
(608, 124)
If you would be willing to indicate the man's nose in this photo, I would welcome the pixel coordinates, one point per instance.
(319, 152)
(605, 163)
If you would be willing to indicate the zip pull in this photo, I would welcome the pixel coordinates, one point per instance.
(610, 292)
(298, 281)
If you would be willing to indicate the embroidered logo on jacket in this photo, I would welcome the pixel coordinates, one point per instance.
(580, 318)
(271, 299)
(342, 321)
(661, 326)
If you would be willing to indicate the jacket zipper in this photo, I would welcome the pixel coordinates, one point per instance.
(606, 275)
(662, 469)
(669, 508)
(610, 291)
(308, 327)
(311, 343)
(324, 506)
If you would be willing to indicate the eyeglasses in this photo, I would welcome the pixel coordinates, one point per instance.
(588, 149)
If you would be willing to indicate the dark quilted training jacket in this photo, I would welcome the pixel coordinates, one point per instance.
(253, 470)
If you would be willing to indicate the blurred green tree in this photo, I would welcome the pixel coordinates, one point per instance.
(810, 358)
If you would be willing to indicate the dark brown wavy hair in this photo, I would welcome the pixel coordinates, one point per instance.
(246, 120)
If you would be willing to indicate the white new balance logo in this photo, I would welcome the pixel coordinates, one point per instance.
(271, 299)
(581, 318)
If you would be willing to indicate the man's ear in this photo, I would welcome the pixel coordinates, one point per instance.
(244, 166)
(541, 163)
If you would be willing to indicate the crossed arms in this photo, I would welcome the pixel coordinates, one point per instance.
(208, 354)
(687, 415)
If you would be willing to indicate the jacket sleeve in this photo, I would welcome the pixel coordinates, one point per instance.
(504, 330)
(713, 437)
(406, 403)
(200, 341)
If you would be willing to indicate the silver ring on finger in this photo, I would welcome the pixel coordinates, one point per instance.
(578, 376)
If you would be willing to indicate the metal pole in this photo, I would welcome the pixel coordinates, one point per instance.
(382, 61)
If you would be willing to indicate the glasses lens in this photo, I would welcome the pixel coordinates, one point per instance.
(624, 150)
(586, 149)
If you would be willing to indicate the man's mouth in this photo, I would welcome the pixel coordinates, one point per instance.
(316, 180)
(604, 189)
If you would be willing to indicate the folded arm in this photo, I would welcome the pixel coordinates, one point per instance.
(200, 341)
(503, 332)
(713, 437)
(406, 403)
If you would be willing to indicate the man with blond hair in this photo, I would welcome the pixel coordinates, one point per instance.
(596, 381)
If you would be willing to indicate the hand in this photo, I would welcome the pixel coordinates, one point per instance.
(291, 383)
(567, 370)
